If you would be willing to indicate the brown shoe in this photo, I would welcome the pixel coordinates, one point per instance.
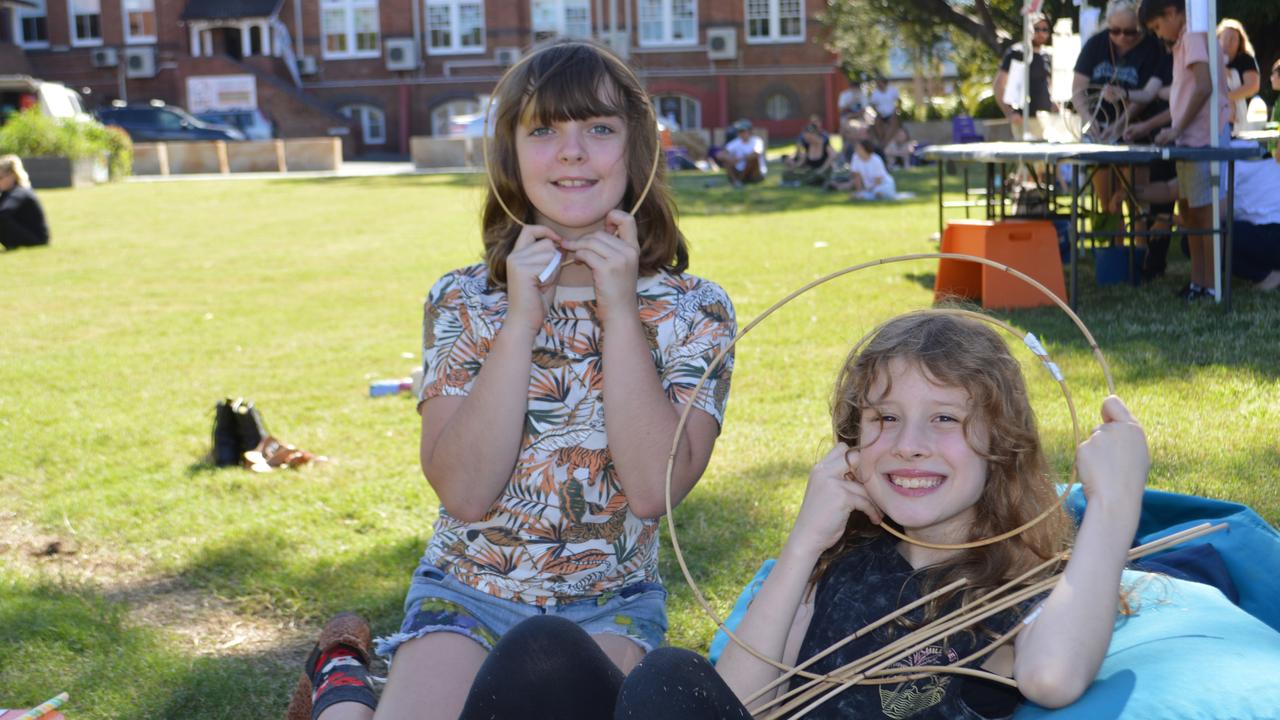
(342, 629)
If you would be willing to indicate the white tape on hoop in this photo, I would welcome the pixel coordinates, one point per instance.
(547, 271)
(1034, 344)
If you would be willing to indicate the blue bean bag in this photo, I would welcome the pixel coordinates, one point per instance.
(1187, 651)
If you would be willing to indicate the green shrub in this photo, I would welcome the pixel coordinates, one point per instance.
(31, 133)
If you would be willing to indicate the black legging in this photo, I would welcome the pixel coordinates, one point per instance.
(549, 667)
(545, 667)
(677, 684)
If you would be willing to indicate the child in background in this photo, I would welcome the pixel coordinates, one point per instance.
(868, 177)
(934, 435)
(1190, 108)
(900, 149)
(555, 374)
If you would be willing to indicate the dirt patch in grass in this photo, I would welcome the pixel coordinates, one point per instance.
(208, 624)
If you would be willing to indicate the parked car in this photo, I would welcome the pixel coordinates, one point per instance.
(470, 125)
(19, 92)
(251, 122)
(157, 122)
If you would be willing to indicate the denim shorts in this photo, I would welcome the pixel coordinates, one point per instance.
(439, 602)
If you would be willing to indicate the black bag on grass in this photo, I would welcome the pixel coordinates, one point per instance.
(237, 429)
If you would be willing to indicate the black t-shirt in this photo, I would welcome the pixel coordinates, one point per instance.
(1243, 63)
(865, 585)
(1040, 74)
(1101, 62)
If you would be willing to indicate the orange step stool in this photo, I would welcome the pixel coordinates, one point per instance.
(1028, 246)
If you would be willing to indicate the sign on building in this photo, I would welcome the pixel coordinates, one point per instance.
(221, 92)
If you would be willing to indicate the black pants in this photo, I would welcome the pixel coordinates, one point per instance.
(1255, 250)
(545, 667)
(548, 667)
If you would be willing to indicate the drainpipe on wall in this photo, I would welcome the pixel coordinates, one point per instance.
(404, 118)
(297, 26)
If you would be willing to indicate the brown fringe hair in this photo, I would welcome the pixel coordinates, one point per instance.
(961, 352)
(564, 81)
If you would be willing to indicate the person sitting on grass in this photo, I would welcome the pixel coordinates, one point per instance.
(22, 221)
(868, 179)
(743, 156)
(811, 164)
(554, 374)
(901, 149)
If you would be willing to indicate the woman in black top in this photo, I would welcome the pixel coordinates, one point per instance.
(1243, 77)
(21, 218)
(1119, 64)
(1116, 76)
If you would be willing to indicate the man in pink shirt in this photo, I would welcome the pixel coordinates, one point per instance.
(1189, 106)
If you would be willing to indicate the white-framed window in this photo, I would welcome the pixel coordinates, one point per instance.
(684, 110)
(85, 17)
(668, 22)
(350, 29)
(373, 122)
(446, 112)
(455, 26)
(31, 25)
(561, 18)
(773, 21)
(139, 20)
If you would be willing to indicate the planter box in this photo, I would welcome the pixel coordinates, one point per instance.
(59, 172)
(313, 153)
(445, 152)
(198, 156)
(256, 156)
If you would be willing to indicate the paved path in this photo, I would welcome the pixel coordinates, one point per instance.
(352, 168)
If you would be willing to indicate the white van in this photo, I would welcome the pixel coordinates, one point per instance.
(19, 92)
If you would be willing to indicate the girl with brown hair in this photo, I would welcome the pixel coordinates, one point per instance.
(581, 319)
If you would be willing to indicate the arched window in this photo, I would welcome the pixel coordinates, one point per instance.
(686, 111)
(445, 112)
(777, 107)
(373, 122)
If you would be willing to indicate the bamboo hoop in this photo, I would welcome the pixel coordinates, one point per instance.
(484, 141)
(719, 358)
(1106, 132)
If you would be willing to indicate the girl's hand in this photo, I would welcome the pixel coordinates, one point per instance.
(834, 492)
(613, 255)
(528, 299)
(1114, 460)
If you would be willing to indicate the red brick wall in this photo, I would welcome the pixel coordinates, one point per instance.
(803, 72)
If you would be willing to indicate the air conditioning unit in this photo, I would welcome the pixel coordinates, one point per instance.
(104, 57)
(402, 53)
(506, 56)
(307, 65)
(619, 43)
(722, 43)
(140, 62)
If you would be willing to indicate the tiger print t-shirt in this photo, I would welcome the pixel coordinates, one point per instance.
(562, 528)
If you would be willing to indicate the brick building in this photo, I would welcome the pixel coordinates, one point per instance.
(391, 69)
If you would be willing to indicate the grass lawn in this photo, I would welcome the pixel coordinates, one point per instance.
(148, 584)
